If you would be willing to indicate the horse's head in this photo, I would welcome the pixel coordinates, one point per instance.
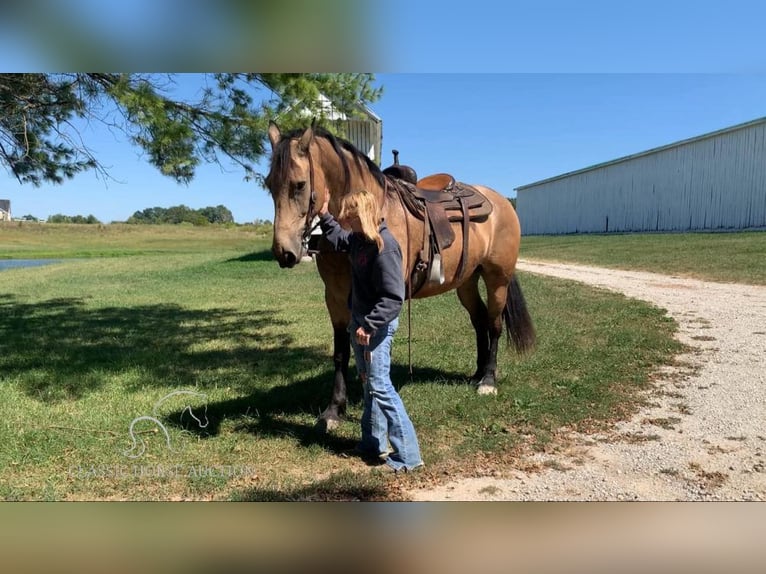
(306, 164)
(293, 181)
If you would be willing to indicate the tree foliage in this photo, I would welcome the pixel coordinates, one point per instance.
(183, 214)
(41, 115)
(61, 218)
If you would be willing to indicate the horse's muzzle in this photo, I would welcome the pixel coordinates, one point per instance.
(285, 258)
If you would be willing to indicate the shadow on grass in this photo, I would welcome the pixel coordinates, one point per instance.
(264, 255)
(342, 486)
(266, 412)
(400, 375)
(62, 349)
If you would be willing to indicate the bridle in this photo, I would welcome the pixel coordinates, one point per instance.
(308, 228)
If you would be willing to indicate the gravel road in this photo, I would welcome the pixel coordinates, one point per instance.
(703, 435)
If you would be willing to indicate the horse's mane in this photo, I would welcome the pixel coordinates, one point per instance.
(280, 161)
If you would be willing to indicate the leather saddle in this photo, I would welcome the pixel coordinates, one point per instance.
(403, 172)
(437, 200)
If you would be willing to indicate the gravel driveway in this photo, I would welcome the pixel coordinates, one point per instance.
(703, 437)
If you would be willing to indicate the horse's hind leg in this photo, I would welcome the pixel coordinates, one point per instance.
(469, 296)
(487, 321)
(497, 295)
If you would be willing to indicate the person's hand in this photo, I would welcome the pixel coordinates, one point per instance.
(325, 204)
(362, 337)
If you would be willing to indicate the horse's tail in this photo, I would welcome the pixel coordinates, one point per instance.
(518, 323)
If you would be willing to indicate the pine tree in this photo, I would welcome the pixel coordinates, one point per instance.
(228, 119)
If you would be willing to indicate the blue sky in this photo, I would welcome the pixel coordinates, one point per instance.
(553, 36)
(497, 93)
(500, 130)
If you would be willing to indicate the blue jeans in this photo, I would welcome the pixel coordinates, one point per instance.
(384, 418)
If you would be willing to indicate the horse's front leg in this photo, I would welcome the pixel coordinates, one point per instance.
(336, 410)
(335, 272)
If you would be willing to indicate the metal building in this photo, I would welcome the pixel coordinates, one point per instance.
(365, 132)
(5, 209)
(713, 181)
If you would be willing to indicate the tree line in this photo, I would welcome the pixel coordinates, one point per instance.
(219, 214)
(182, 214)
(61, 218)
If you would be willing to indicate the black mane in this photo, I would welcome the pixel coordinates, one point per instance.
(280, 161)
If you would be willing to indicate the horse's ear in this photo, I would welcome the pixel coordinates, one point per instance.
(305, 142)
(274, 134)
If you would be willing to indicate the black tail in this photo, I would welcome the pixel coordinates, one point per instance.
(518, 323)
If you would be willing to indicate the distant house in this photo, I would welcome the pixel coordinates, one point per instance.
(5, 209)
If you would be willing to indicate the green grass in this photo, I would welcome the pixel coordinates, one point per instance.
(29, 240)
(724, 257)
(89, 345)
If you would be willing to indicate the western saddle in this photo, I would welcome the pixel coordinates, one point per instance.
(437, 200)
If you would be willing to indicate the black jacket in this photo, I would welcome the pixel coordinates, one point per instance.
(377, 283)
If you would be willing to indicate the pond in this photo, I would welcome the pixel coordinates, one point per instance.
(16, 263)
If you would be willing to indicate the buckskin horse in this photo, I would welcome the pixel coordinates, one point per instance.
(451, 234)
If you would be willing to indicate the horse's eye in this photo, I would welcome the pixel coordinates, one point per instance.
(300, 186)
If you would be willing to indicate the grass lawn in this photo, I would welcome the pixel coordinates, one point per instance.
(724, 257)
(91, 346)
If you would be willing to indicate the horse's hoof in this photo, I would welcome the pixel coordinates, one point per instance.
(326, 425)
(486, 389)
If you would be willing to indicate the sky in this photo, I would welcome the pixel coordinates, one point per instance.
(500, 130)
(499, 94)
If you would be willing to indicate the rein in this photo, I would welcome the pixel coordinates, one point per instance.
(409, 275)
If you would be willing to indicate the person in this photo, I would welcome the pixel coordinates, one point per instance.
(377, 295)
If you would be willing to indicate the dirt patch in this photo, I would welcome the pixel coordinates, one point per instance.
(703, 435)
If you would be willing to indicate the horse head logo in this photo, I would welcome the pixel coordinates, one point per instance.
(137, 451)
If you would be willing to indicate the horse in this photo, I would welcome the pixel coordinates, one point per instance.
(308, 163)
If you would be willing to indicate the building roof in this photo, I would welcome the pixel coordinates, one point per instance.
(648, 152)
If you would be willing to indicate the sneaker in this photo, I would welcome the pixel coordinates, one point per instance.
(366, 455)
(388, 469)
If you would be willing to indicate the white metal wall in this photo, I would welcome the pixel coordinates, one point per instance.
(366, 135)
(365, 132)
(716, 181)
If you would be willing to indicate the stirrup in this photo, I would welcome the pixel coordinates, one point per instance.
(436, 275)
